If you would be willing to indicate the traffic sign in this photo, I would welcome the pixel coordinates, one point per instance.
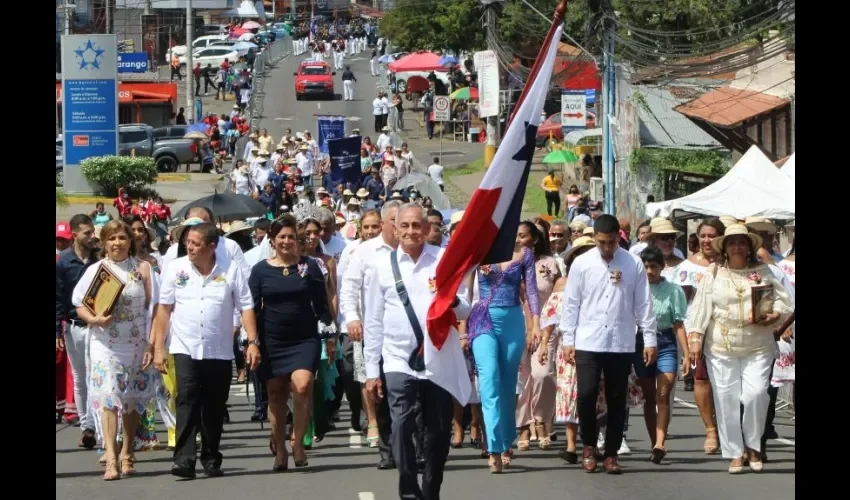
(573, 108)
(441, 108)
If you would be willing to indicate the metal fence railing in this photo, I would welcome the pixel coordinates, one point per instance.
(265, 62)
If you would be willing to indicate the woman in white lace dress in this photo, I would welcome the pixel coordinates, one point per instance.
(120, 384)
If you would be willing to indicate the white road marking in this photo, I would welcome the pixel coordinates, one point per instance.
(319, 105)
(353, 118)
(789, 442)
(355, 441)
(284, 118)
(685, 403)
(365, 495)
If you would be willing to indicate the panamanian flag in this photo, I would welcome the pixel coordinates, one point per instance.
(487, 232)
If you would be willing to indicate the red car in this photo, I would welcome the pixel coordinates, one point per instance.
(314, 78)
(553, 124)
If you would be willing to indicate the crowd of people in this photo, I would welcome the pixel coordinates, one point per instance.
(580, 325)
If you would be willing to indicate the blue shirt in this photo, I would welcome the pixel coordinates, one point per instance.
(375, 188)
(69, 270)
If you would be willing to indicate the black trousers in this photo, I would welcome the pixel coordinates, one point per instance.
(403, 392)
(385, 120)
(553, 203)
(589, 367)
(382, 415)
(202, 390)
(261, 395)
(379, 123)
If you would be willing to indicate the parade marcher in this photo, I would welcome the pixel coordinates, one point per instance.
(373, 62)
(396, 303)
(605, 285)
(348, 81)
(70, 267)
(198, 296)
(377, 113)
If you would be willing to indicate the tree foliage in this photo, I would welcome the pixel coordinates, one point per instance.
(434, 25)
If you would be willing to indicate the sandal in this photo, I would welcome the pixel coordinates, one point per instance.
(506, 460)
(522, 443)
(657, 455)
(711, 445)
(372, 440)
(494, 464)
(543, 439)
(112, 473)
(128, 465)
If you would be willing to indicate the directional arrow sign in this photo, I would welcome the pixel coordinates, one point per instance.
(573, 108)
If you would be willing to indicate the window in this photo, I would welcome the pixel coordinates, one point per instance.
(133, 136)
(556, 118)
(215, 52)
(314, 70)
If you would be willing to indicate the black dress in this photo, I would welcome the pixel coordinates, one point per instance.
(288, 310)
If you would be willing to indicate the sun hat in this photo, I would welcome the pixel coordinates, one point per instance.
(353, 201)
(361, 193)
(396, 196)
(760, 224)
(578, 244)
(177, 231)
(588, 231)
(662, 226)
(736, 230)
(577, 225)
(237, 226)
(348, 192)
(728, 220)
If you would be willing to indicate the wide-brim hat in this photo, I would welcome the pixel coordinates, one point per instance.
(237, 226)
(321, 190)
(291, 161)
(588, 231)
(303, 147)
(728, 220)
(177, 231)
(736, 230)
(396, 196)
(760, 224)
(578, 244)
(361, 193)
(353, 201)
(385, 129)
(348, 192)
(662, 226)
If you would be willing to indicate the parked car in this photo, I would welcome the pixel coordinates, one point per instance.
(314, 78)
(197, 44)
(138, 139)
(169, 132)
(60, 167)
(402, 77)
(214, 55)
(553, 124)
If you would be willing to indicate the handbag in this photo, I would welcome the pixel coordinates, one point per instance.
(417, 357)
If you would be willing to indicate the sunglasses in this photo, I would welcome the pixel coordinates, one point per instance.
(556, 235)
(667, 237)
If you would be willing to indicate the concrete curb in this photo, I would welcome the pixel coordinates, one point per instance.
(173, 177)
(91, 200)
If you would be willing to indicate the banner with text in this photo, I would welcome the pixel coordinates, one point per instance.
(132, 62)
(330, 127)
(345, 160)
(487, 65)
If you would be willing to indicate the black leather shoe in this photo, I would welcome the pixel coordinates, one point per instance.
(213, 471)
(183, 471)
(258, 416)
(226, 417)
(420, 463)
(386, 465)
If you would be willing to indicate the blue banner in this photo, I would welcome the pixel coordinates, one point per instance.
(345, 160)
(90, 121)
(132, 62)
(330, 127)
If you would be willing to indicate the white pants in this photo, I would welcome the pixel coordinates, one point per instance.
(348, 89)
(373, 65)
(736, 382)
(77, 347)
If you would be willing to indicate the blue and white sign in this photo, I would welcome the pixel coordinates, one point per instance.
(89, 103)
(330, 127)
(132, 62)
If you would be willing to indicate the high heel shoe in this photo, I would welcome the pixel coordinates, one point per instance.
(372, 441)
(128, 465)
(711, 445)
(112, 473)
(283, 466)
(299, 462)
(495, 464)
(543, 439)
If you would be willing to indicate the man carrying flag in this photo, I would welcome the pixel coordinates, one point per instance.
(397, 299)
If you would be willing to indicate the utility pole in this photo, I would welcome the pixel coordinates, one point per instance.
(609, 91)
(190, 74)
(493, 138)
(67, 8)
(108, 18)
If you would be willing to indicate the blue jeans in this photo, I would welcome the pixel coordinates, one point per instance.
(497, 357)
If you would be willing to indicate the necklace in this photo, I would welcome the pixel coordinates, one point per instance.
(738, 288)
(285, 266)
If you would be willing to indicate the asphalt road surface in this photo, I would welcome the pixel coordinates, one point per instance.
(342, 467)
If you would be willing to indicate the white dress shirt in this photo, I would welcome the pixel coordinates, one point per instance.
(600, 315)
(334, 247)
(304, 164)
(383, 141)
(226, 249)
(355, 280)
(344, 261)
(202, 318)
(387, 331)
(377, 107)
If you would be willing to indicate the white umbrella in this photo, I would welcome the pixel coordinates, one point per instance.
(251, 25)
(246, 37)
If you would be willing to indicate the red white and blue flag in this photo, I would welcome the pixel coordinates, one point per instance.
(487, 232)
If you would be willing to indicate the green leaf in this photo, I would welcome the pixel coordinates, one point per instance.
(112, 172)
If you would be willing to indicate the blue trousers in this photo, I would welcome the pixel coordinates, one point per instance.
(497, 357)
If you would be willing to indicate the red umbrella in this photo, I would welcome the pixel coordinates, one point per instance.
(420, 61)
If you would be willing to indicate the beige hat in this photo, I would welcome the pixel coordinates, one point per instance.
(760, 224)
(339, 219)
(236, 226)
(353, 201)
(396, 196)
(291, 161)
(588, 231)
(456, 217)
(385, 129)
(348, 192)
(578, 244)
(177, 231)
(362, 193)
(662, 226)
(321, 190)
(304, 147)
(736, 230)
(263, 152)
(728, 220)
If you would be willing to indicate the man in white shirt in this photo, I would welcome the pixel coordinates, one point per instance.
(392, 344)
(198, 295)
(385, 109)
(305, 164)
(253, 143)
(435, 170)
(262, 171)
(355, 283)
(377, 112)
(384, 139)
(607, 295)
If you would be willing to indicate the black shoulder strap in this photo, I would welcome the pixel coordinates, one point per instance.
(416, 361)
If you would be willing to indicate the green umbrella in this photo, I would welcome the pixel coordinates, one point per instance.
(561, 156)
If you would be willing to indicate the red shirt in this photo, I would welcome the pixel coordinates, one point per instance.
(140, 211)
(225, 65)
(122, 205)
(162, 212)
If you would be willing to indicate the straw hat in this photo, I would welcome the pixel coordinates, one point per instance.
(760, 224)
(339, 218)
(456, 217)
(385, 129)
(736, 230)
(291, 161)
(662, 226)
(728, 220)
(177, 231)
(396, 196)
(579, 243)
(263, 152)
(588, 231)
(304, 147)
(237, 226)
(361, 193)
(353, 201)
(321, 190)
(348, 192)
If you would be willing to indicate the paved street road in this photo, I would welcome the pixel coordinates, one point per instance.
(342, 468)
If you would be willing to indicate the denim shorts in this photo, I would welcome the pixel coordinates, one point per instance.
(668, 354)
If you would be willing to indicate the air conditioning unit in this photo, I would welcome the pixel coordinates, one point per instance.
(597, 192)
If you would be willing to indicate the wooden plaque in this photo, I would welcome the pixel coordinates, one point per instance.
(762, 297)
(104, 292)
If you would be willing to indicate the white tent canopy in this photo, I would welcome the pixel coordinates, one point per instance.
(246, 10)
(790, 167)
(753, 187)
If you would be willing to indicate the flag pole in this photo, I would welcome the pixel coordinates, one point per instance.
(560, 12)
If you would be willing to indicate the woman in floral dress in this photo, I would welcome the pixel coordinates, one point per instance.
(536, 384)
(120, 382)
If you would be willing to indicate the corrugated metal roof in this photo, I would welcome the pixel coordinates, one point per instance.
(728, 107)
(663, 127)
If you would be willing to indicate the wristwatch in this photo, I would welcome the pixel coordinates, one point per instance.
(255, 342)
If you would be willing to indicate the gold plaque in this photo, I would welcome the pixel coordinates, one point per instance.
(762, 297)
(104, 292)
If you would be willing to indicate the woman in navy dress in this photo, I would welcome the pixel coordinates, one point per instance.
(290, 298)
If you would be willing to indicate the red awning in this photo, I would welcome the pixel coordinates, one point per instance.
(420, 61)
